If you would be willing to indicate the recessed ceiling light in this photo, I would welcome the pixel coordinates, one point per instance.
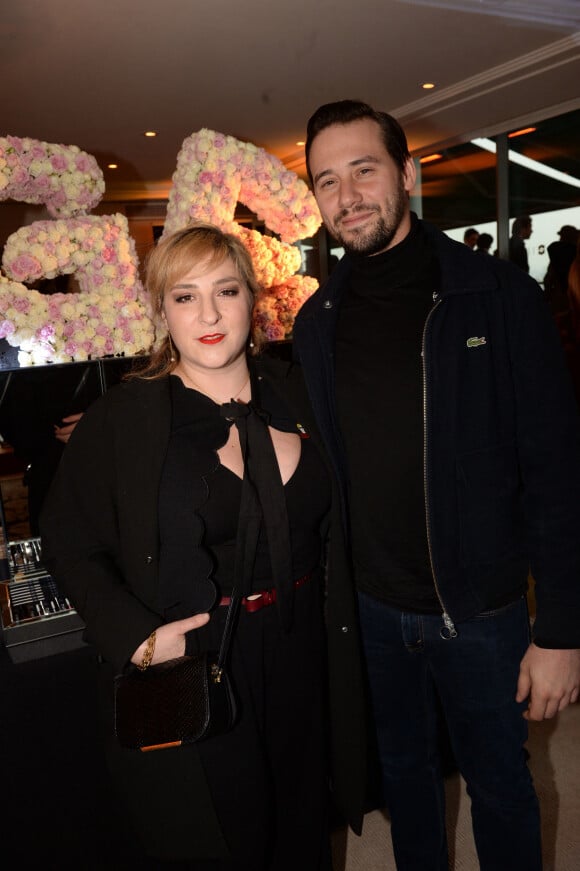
(150, 133)
(112, 166)
(300, 142)
(429, 158)
(427, 86)
(521, 132)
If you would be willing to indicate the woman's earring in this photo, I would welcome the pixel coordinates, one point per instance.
(171, 349)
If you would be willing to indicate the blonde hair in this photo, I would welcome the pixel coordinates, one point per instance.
(171, 259)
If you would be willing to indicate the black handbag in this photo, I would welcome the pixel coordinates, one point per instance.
(176, 702)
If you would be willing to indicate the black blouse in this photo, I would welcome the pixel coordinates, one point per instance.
(199, 499)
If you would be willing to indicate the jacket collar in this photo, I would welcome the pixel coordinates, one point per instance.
(462, 271)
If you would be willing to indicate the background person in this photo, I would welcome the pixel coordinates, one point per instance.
(439, 387)
(140, 530)
(39, 409)
(573, 293)
(470, 237)
(521, 230)
(484, 243)
(561, 254)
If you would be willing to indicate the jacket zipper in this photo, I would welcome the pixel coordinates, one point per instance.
(448, 629)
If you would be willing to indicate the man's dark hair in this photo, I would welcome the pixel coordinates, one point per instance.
(471, 231)
(484, 241)
(347, 111)
(521, 223)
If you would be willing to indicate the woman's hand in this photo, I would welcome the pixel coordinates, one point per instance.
(170, 639)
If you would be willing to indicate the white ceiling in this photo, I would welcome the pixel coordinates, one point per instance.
(98, 73)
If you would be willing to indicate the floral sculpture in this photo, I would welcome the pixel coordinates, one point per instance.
(214, 172)
(67, 180)
(111, 314)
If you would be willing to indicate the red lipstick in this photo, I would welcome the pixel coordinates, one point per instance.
(212, 339)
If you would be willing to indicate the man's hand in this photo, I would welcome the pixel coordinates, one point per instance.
(549, 679)
(64, 432)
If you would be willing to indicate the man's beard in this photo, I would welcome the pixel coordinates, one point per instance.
(376, 238)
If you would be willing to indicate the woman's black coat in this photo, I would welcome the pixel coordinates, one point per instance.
(101, 543)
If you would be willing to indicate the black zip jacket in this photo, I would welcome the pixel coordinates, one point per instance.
(502, 438)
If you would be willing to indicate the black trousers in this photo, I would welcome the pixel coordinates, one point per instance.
(268, 777)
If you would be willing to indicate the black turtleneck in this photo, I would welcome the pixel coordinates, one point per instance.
(379, 385)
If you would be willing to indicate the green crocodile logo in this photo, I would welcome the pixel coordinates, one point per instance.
(476, 341)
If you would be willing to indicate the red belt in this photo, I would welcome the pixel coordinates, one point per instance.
(260, 600)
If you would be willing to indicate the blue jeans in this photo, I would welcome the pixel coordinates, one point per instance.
(475, 677)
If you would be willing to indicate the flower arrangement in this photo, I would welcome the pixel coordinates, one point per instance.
(110, 315)
(67, 180)
(216, 171)
(273, 261)
(277, 307)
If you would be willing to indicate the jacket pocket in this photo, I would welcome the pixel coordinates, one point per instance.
(489, 503)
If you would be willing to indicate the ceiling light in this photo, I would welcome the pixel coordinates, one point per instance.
(521, 132)
(150, 133)
(112, 166)
(427, 86)
(429, 158)
(300, 142)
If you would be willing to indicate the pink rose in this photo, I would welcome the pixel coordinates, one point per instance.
(25, 268)
(20, 176)
(46, 332)
(275, 332)
(16, 143)
(58, 163)
(82, 163)
(22, 305)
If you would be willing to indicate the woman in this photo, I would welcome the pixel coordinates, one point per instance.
(139, 530)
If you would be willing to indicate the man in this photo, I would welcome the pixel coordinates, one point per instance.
(470, 237)
(439, 389)
(521, 230)
(484, 243)
(561, 254)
